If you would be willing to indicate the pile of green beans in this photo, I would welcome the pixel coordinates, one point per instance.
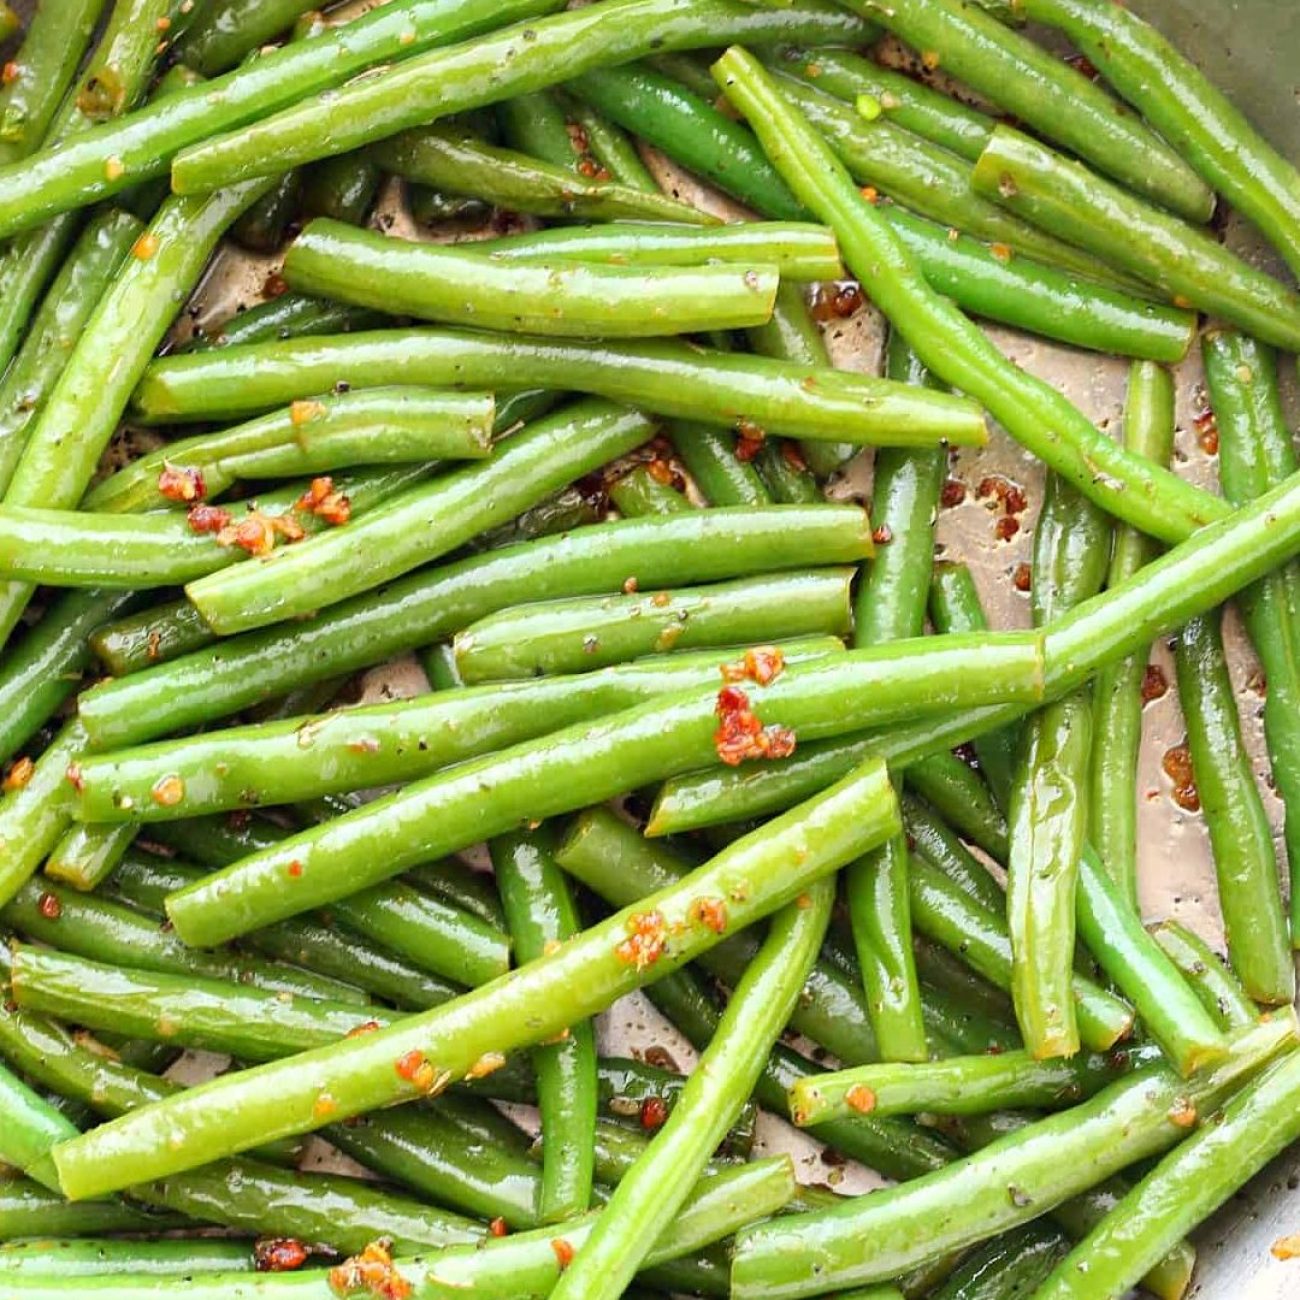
(708, 736)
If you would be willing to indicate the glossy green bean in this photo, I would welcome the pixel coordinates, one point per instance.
(421, 524)
(1117, 693)
(1184, 1188)
(800, 250)
(228, 30)
(709, 456)
(375, 426)
(788, 478)
(663, 375)
(691, 131)
(869, 1239)
(85, 1258)
(572, 767)
(491, 68)
(460, 286)
(154, 635)
(959, 794)
(655, 1188)
(1197, 119)
(950, 917)
(517, 1010)
(955, 607)
(457, 162)
(343, 188)
(87, 855)
(29, 1210)
(535, 124)
(580, 633)
(638, 494)
(1011, 1265)
(910, 103)
(1208, 975)
(961, 1085)
(353, 749)
(288, 316)
(934, 840)
(1046, 93)
(79, 170)
(609, 146)
(1249, 894)
(32, 1129)
(1189, 266)
(1035, 414)
(698, 546)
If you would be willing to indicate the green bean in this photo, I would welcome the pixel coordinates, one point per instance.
(35, 814)
(710, 458)
(1184, 1188)
(950, 917)
(1047, 809)
(28, 1210)
(1255, 451)
(1209, 977)
(934, 183)
(535, 124)
(638, 493)
(800, 250)
(154, 635)
(934, 840)
(31, 1131)
(10, 23)
(76, 171)
(82, 1258)
(540, 911)
(1171, 93)
(960, 796)
(960, 1085)
(1245, 865)
(455, 161)
(953, 348)
(1008, 1266)
(45, 667)
(904, 100)
(788, 478)
(343, 188)
(288, 316)
(423, 523)
(573, 507)
(375, 426)
(459, 286)
(955, 607)
(663, 375)
(230, 29)
(1117, 694)
(1050, 96)
(517, 1010)
(263, 226)
(572, 767)
(691, 131)
(517, 60)
(586, 632)
(1191, 267)
(655, 1188)
(42, 71)
(87, 855)
(53, 331)
(871, 1238)
(610, 146)
(947, 975)
(697, 546)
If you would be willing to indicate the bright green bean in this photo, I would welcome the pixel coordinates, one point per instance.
(82, 1258)
(610, 146)
(228, 30)
(639, 493)
(710, 458)
(29, 1210)
(288, 316)
(1011, 1265)
(32, 1129)
(1209, 977)
(87, 855)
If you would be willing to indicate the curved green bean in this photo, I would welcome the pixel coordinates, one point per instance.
(1034, 413)
(1209, 977)
(463, 287)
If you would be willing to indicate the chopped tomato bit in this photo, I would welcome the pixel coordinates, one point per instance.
(563, 1252)
(654, 1113)
(208, 519)
(741, 735)
(370, 1273)
(861, 1099)
(279, 1254)
(179, 483)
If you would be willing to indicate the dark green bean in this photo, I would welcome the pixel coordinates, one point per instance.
(289, 315)
(227, 30)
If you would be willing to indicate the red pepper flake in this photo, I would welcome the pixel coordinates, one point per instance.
(953, 493)
(661, 600)
(654, 1113)
(365, 1027)
(1177, 764)
(1006, 528)
(710, 913)
(256, 532)
(275, 285)
(324, 1106)
(761, 664)
(1079, 63)
(840, 300)
(279, 1254)
(19, 773)
(563, 1252)
(1023, 578)
(741, 735)
(49, 907)
(168, 791)
(593, 171)
(793, 457)
(661, 471)
(75, 778)
(882, 535)
(998, 490)
(1155, 685)
(1285, 1248)
(208, 519)
(415, 1069)
(324, 502)
(861, 1098)
(750, 440)
(870, 193)
(370, 1273)
(498, 1228)
(145, 247)
(1183, 1112)
(578, 137)
(179, 483)
(295, 869)
(1207, 430)
(1002, 252)
(10, 73)
(163, 24)
(645, 942)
